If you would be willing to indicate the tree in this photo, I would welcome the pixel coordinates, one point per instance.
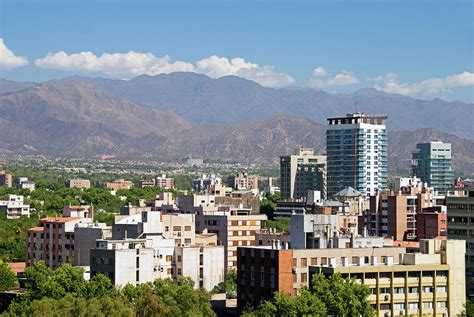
(342, 297)
(468, 309)
(8, 278)
(229, 286)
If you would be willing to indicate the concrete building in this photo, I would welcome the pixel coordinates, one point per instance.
(234, 227)
(164, 182)
(429, 283)
(268, 237)
(262, 270)
(432, 162)
(313, 231)
(14, 207)
(240, 198)
(24, 183)
(196, 204)
(52, 241)
(204, 182)
(85, 236)
(204, 264)
(133, 261)
(180, 228)
(393, 213)
(301, 172)
(243, 181)
(78, 183)
(147, 183)
(6, 179)
(356, 149)
(81, 211)
(119, 184)
(460, 206)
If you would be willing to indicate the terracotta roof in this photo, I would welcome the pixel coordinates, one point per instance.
(36, 229)
(59, 219)
(407, 244)
(17, 267)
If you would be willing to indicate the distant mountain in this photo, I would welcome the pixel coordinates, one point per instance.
(74, 118)
(7, 86)
(231, 99)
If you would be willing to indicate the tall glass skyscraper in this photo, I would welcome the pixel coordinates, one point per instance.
(432, 164)
(356, 149)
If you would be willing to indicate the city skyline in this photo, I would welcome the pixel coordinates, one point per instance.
(334, 46)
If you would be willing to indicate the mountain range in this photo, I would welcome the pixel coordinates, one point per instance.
(171, 117)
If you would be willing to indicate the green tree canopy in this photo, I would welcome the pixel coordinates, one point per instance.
(8, 278)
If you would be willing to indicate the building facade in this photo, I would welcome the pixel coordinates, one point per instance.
(6, 179)
(78, 183)
(356, 149)
(119, 184)
(301, 172)
(14, 207)
(460, 214)
(432, 163)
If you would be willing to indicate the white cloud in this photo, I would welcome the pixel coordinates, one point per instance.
(118, 64)
(8, 59)
(389, 83)
(322, 80)
(216, 66)
(319, 71)
(131, 64)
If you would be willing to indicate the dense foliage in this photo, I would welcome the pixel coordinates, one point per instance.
(332, 295)
(280, 224)
(13, 237)
(8, 278)
(229, 286)
(64, 292)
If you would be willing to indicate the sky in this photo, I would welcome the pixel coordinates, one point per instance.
(422, 49)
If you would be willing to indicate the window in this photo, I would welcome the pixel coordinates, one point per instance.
(314, 261)
(304, 277)
(176, 228)
(169, 258)
(294, 262)
(179, 258)
(187, 228)
(412, 305)
(304, 262)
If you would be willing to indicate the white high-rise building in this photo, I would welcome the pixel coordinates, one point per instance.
(356, 153)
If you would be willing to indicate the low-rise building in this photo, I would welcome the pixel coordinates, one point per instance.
(243, 181)
(204, 264)
(164, 182)
(78, 183)
(14, 207)
(81, 211)
(6, 179)
(119, 184)
(24, 183)
(204, 182)
(268, 237)
(85, 236)
(264, 270)
(147, 183)
(429, 283)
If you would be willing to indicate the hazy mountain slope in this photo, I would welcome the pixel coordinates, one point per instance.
(231, 99)
(7, 86)
(76, 118)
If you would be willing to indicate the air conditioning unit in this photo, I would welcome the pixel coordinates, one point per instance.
(387, 297)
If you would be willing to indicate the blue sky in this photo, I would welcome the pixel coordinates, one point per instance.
(417, 48)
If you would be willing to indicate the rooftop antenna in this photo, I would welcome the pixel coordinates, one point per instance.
(356, 104)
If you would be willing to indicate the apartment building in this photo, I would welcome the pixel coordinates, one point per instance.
(24, 183)
(204, 264)
(301, 172)
(147, 183)
(431, 223)
(432, 162)
(393, 213)
(133, 261)
(52, 241)
(243, 181)
(78, 183)
(119, 184)
(164, 182)
(85, 236)
(428, 283)
(264, 270)
(180, 228)
(6, 179)
(14, 207)
(268, 237)
(240, 198)
(234, 227)
(460, 209)
(205, 181)
(81, 211)
(356, 149)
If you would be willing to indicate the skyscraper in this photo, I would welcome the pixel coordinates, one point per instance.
(432, 164)
(301, 172)
(356, 149)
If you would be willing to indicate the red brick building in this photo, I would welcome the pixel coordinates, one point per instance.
(432, 223)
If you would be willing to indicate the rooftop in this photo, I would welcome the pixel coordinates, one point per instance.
(59, 219)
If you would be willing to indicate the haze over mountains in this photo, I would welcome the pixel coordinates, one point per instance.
(182, 115)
